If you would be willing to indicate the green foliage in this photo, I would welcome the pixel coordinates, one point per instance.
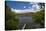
(39, 17)
(11, 21)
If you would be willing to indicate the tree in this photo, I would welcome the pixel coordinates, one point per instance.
(11, 21)
(39, 17)
(42, 6)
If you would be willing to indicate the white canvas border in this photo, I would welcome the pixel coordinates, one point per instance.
(2, 15)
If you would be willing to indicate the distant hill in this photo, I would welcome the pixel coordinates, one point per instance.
(26, 14)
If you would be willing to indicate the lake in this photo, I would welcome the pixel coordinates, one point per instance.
(25, 19)
(28, 21)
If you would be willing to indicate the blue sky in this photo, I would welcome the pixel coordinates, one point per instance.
(22, 7)
(19, 5)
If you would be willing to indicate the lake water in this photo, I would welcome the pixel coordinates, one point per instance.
(25, 19)
(28, 21)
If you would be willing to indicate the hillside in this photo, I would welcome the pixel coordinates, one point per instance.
(26, 14)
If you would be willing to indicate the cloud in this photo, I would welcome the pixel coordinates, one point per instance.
(35, 8)
(23, 11)
(24, 6)
(32, 3)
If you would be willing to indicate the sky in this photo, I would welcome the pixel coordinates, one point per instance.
(23, 7)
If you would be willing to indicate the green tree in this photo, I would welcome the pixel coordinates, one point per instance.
(11, 21)
(39, 17)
